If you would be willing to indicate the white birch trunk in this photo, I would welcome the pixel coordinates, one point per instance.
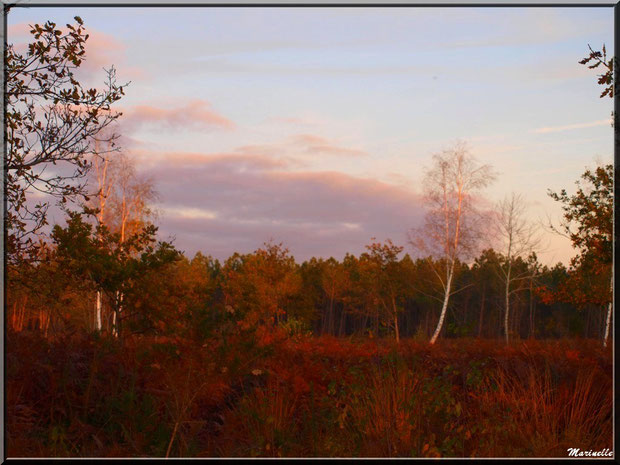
(104, 192)
(114, 330)
(609, 310)
(98, 312)
(444, 307)
(507, 312)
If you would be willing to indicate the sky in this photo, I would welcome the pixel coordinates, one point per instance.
(314, 126)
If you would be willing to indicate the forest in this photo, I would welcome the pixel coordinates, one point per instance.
(458, 343)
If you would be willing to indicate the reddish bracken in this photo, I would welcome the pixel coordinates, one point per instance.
(304, 396)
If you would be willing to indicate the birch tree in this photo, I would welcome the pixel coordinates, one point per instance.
(95, 255)
(453, 223)
(519, 238)
(130, 198)
(101, 172)
(588, 223)
(122, 204)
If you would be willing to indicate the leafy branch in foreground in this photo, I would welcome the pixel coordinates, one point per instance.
(598, 58)
(52, 122)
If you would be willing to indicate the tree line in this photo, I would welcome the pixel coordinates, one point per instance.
(381, 292)
(106, 271)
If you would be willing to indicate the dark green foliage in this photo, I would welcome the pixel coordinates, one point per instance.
(123, 270)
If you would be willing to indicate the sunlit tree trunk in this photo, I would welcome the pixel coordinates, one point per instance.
(395, 312)
(482, 309)
(130, 208)
(104, 186)
(396, 328)
(507, 300)
(21, 314)
(444, 306)
(520, 238)
(124, 216)
(331, 313)
(450, 251)
(531, 307)
(609, 310)
(98, 312)
(395, 315)
(47, 324)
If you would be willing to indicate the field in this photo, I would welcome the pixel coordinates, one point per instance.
(303, 396)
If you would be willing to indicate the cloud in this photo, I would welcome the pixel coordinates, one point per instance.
(21, 30)
(196, 114)
(568, 127)
(184, 212)
(300, 148)
(216, 162)
(224, 203)
(319, 145)
(102, 50)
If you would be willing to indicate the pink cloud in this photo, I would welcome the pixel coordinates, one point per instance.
(316, 144)
(213, 161)
(195, 114)
(303, 144)
(21, 30)
(102, 50)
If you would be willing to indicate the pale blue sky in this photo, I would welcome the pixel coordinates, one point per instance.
(333, 105)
